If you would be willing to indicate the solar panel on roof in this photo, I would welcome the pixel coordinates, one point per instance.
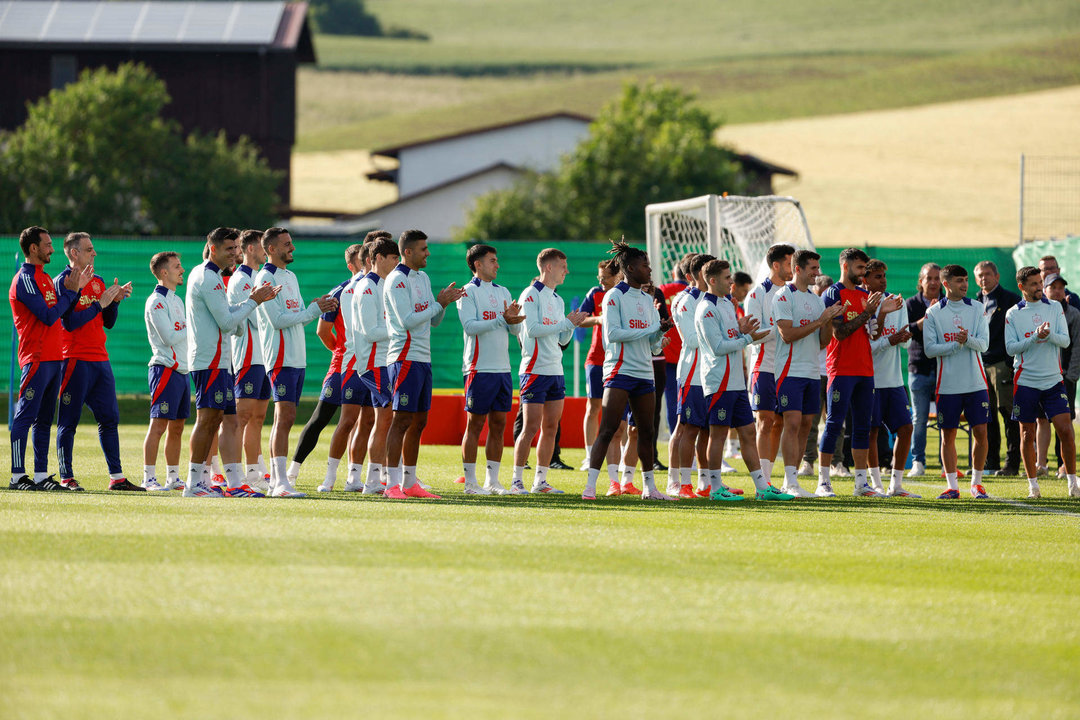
(205, 23)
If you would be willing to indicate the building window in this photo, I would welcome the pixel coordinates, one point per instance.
(64, 70)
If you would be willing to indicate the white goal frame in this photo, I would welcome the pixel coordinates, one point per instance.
(735, 228)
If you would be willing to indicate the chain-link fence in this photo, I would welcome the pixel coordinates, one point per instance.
(1049, 197)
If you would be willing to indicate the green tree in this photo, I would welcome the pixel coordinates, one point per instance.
(98, 155)
(343, 17)
(651, 144)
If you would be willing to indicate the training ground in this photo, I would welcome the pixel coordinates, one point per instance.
(534, 607)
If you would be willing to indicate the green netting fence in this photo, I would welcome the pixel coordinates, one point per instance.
(320, 265)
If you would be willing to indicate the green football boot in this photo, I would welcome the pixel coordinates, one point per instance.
(723, 494)
(771, 493)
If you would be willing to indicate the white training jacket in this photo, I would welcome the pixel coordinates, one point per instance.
(369, 328)
(246, 343)
(1037, 361)
(960, 367)
(411, 312)
(166, 329)
(888, 372)
(683, 308)
(759, 304)
(282, 319)
(546, 327)
(631, 332)
(209, 316)
(487, 334)
(721, 345)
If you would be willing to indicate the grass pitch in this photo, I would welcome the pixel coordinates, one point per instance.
(344, 606)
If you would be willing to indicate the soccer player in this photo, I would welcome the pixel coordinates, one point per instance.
(721, 338)
(1035, 330)
(633, 333)
(763, 353)
(88, 376)
(892, 410)
(370, 336)
(252, 386)
(209, 317)
(411, 311)
(593, 306)
(999, 373)
(955, 331)
(170, 389)
(850, 367)
(37, 305)
(489, 315)
(803, 327)
(692, 428)
(543, 387)
(281, 320)
(673, 350)
(922, 370)
(332, 331)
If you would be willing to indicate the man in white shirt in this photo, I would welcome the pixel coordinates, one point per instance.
(540, 375)
(210, 317)
(489, 315)
(892, 408)
(411, 311)
(170, 391)
(281, 322)
(804, 328)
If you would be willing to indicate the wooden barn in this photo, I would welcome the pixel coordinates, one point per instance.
(227, 65)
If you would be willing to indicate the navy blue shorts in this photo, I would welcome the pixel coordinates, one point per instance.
(412, 385)
(1030, 404)
(331, 388)
(762, 392)
(286, 384)
(214, 390)
(844, 391)
(799, 394)
(488, 392)
(632, 385)
(170, 393)
(541, 388)
(594, 381)
(253, 384)
(974, 405)
(353, 390)
(892, 408)
(376, 383)
(692, 409)
(730, 408)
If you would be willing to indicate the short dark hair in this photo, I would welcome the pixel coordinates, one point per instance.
(805, 257)
(1045, 258)
(875, 265)
(548, 254)
(683, 266)
(272, 234)
(160, 260)
(824, 282)
(1025, 272)
(987, 265)
(953, 271)
(699, 262)
(219, 235)
(365, 252)
(249, 238)
(375, 235)
(383, 246)
(715, 267)
(777, 253)
(31, 236)
(742, 278)
(73, 239)
(851, 255)
(352, 252)
(605, 265)
(475, 253)
(410, 238)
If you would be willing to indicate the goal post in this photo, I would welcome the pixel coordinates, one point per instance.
(735, 228)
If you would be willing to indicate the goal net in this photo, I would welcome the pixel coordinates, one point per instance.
(733, 228)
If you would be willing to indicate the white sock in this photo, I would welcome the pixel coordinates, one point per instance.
(627, 476)
(374, 475)
(791, 475)
(590, 483)
(1071, 479)
(293, 473)
(172, 472)
(470, 474)
(860, 477)
(760, 482)
(896, 481)
(40, 476)
(215, 466)
(279, 472)
(613, 473)
(233, 478)
(395, 476)
(875, 477)
(251, 469)
(684, 476)
(951, 479)
(355, 475)
(519, 473)
(541, 475)
(714, 480)
(1033, 484)
(491, 474)
(703, 480)
(766, 468)
(149, 472)
(195, 474)
(650, 483)
(588, 452)
(207, 480)
(823, 474)
(262, 466)
(116, 476)
(331, 471)
(408, 477)
(976, 477)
